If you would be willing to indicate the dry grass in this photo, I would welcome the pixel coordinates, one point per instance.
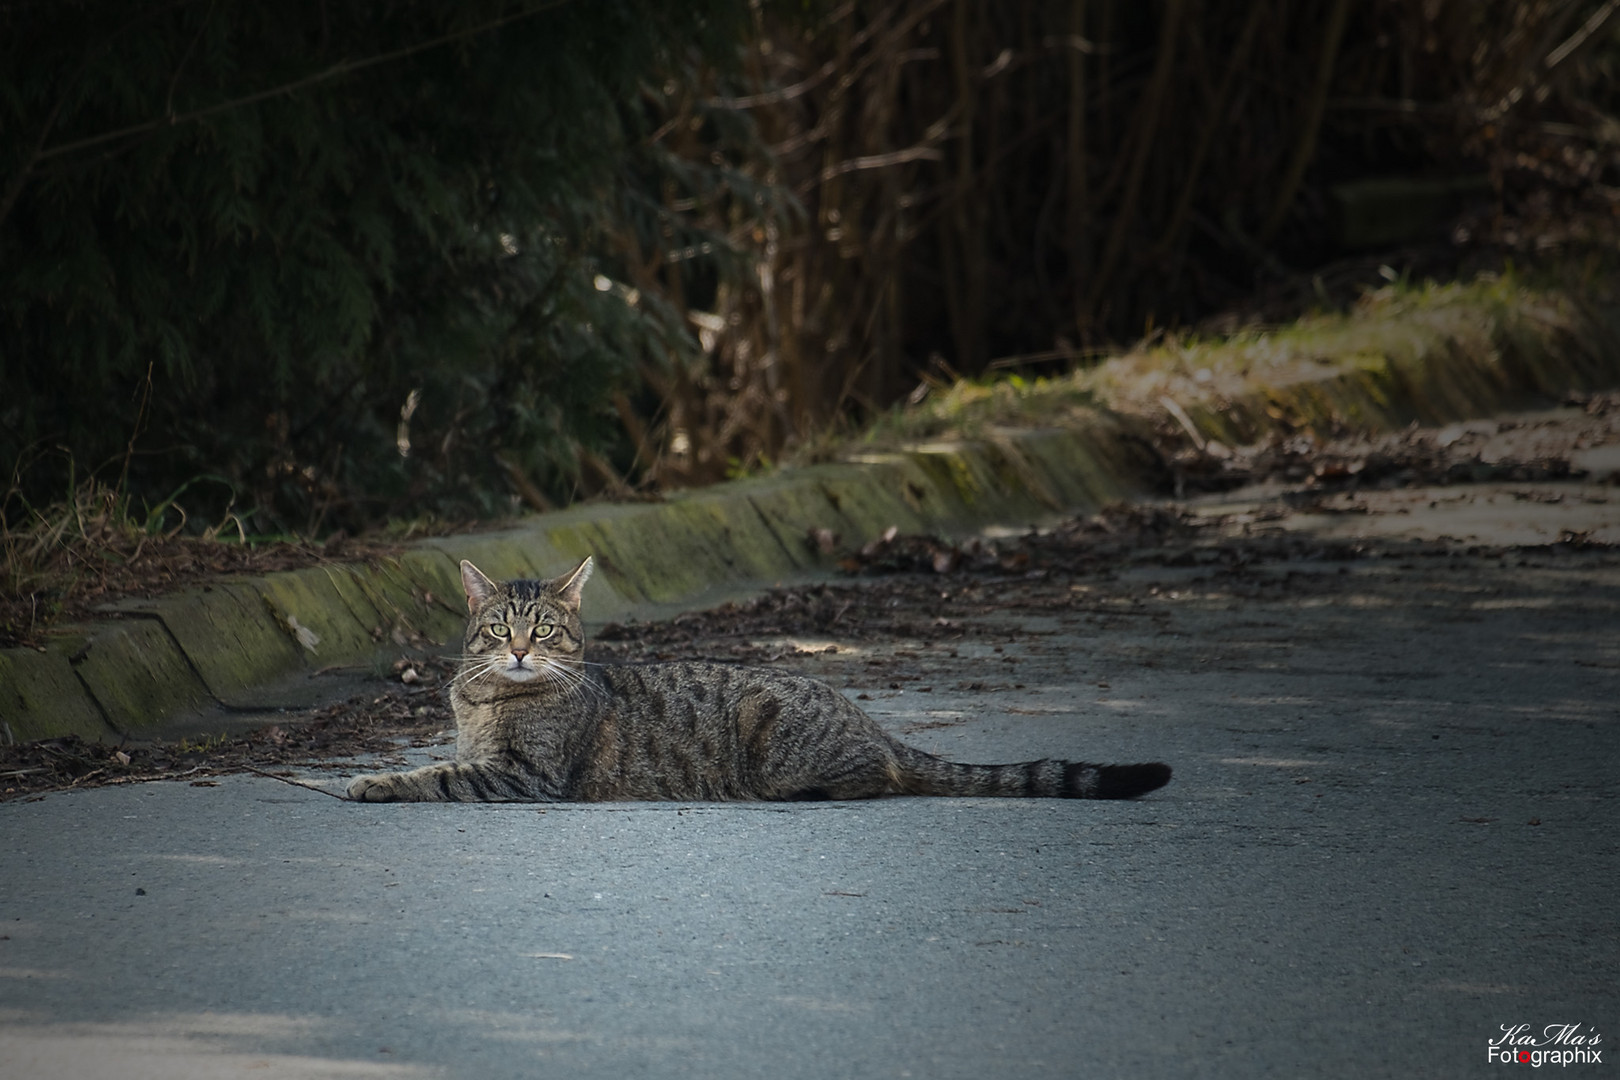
(60, 562)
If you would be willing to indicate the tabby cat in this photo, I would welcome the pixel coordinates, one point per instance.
(536, 723)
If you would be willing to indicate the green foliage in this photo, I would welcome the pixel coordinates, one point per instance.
(357, 275)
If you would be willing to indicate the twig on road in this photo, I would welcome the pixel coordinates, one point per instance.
(294, 783)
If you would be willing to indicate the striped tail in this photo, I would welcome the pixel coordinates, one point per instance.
(924, 774)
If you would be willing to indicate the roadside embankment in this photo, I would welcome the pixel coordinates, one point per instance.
(1011, 454)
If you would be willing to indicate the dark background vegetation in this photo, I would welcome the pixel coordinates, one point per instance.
(325, 265)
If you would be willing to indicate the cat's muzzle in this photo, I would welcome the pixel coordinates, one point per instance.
(517, 670)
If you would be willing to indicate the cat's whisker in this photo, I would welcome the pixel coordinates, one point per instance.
(575, 660)
(574, 666)
(588, 690)
(480, 671)
(473, 664)
(569, 672)
(558, 673)
(590, 685)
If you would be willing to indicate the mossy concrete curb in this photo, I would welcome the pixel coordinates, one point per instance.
(1462, 353)
(151, 664)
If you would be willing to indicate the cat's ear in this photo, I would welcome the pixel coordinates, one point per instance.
(571, 583)
(479, 587)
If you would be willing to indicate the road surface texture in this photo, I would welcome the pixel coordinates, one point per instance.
(1394, 716)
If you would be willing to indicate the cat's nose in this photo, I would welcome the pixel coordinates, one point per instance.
(518, 653)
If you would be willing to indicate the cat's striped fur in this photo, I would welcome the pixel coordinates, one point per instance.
(535, 723)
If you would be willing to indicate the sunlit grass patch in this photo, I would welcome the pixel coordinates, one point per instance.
(966, 407)
(1400, 323)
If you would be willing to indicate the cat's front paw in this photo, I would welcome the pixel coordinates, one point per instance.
(380, 788)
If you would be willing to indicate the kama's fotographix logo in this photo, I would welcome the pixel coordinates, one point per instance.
(1554, 1044)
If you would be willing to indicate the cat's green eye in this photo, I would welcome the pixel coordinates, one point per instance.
(500, 630)
(544, 630)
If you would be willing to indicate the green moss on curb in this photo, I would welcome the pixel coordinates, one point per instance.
(42, 698)
(138, 675)
(223, 633)
(790, 505)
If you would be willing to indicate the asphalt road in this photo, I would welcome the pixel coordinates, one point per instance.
(1392, 831)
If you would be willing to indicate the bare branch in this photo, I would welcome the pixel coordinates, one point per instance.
(1578, 38)
(1305, 149)
(883, 161)
(343, 67)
